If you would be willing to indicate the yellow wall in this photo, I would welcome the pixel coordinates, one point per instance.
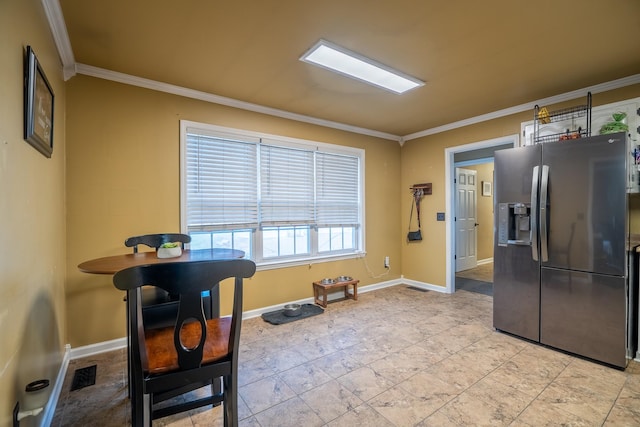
(123, 180)
(32, 221)
(423, 160)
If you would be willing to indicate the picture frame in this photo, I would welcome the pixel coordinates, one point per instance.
(486, 188)
(38, 106)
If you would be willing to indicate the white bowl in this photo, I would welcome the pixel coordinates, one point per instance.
(169, 252)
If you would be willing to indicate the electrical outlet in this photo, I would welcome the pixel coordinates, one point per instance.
(386, 262)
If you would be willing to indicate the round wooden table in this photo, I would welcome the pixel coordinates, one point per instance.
(113, 264)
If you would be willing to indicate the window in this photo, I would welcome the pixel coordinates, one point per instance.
(278, 199)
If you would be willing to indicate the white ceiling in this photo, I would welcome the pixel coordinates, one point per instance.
(477, 57)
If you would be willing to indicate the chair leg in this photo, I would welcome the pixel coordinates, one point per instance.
(230, 401)
(137, 403)
(129, 373)
(216, 386)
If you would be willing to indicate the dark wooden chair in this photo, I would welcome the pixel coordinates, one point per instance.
(159, 308)
(195, 351)
(156, 240)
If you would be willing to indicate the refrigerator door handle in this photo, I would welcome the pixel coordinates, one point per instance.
(534, 214)
(544, 193)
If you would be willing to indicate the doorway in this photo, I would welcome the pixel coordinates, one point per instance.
(474, 226)
(468, 156)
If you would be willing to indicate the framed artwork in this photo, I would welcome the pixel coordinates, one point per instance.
(486, 188)
(38, 106)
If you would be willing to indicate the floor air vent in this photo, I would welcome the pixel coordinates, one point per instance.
(84, 377)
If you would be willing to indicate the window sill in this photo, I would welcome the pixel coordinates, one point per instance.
(272, 265)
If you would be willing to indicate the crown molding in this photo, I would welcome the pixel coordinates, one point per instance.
(599, 88)
(230, 102)
(60, 36)
(71, 68)
(216, 99)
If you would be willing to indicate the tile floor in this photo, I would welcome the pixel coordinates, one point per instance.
(396, 357)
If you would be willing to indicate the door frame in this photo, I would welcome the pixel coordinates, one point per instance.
(450, 174)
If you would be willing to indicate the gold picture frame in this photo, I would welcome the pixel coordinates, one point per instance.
(38, 106)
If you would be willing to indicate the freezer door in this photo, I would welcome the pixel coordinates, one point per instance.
(586, 205)
(516, 274)
(585, 314)
(516, 292)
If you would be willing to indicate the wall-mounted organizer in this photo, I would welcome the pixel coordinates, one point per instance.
(425, 189)
(576, 123)
(601, 115)
(417, 191)
(601, 119)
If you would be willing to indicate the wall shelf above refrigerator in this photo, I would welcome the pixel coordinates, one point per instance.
(567, 116)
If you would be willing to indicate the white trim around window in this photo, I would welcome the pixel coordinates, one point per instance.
(279, 199)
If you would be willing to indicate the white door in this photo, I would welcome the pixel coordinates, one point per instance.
(466, 219)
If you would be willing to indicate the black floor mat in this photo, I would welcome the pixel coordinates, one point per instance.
(278, 318)
(477, 286)
(84, 377)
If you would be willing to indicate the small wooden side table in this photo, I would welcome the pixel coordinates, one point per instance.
(320, 289)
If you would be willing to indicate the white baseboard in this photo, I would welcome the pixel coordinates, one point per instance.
(97, 348)
(50, 408)
(425, 286)
(485, 261)
(330, 297)
(102, 347)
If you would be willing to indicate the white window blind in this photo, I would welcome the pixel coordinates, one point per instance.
(280, 199)
(337, 190)
(286, 186)
(221, 179)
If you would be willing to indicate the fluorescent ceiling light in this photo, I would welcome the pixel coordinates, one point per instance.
(351, 64)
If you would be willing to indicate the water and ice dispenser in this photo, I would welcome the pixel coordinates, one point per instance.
(514, 224)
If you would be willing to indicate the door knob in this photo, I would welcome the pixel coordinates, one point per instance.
(476, 224)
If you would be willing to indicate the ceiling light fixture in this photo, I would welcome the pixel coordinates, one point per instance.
(343, 61)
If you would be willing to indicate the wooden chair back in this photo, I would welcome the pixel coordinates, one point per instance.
(156, 240)
(166, 360)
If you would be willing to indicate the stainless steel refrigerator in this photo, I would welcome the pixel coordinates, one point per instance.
(560, 249)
